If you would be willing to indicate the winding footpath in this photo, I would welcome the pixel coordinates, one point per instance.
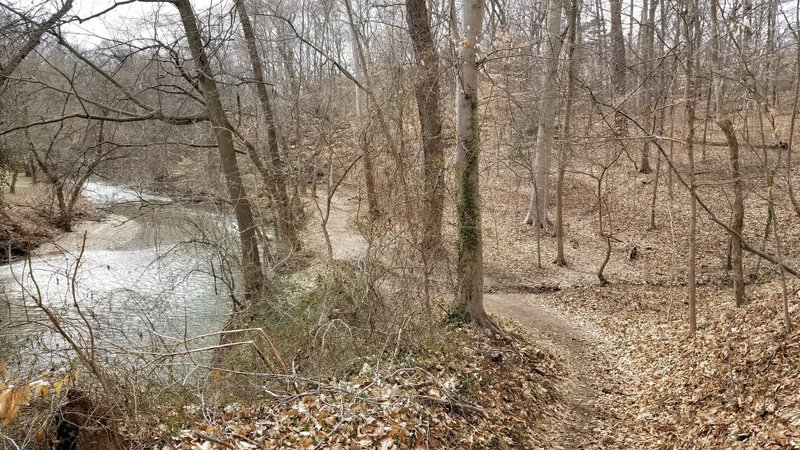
(592, 390)
(592, 387)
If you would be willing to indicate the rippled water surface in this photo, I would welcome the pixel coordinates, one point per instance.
(153, 274)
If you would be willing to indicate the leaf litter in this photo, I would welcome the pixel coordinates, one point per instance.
(472, 390)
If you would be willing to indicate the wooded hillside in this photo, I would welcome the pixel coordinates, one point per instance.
(426, 224)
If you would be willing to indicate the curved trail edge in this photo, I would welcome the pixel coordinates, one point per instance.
(592, 383)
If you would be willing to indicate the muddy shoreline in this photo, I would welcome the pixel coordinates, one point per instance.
(26, 228)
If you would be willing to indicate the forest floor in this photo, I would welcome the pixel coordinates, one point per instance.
(647, 382)
(600, 366)
(592, 390)
(635, 377)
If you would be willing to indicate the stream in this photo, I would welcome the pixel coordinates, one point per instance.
(149, 274)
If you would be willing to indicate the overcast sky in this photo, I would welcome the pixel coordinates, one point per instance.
(124, 21)
(104, 27)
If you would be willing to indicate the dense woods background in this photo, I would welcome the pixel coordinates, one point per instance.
(358, 181)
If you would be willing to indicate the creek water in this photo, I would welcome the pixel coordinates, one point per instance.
(151, 273)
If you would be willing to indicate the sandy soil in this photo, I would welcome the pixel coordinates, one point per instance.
(106, 234)
(346, 243)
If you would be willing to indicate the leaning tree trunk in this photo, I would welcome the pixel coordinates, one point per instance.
(275, 174)
(469, 299)
(737, 221)
(537, 211)
(251, 261)
(34, 38)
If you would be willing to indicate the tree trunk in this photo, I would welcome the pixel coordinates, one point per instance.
(716, 66)
(469, 298)
(12, 184)
(790, 145)
(787, 319)
(737, 222)
(360, 73)
(618, 66)
(647, 86)
(537, 211)
(601, 277)
(251, 261)
(426, 91)
(690, 99)
(34, 38)
(275, 176)
(566, 130)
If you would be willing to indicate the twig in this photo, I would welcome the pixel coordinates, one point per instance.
(210, 438)
(12, 441)
(327, 436)
(452, 403)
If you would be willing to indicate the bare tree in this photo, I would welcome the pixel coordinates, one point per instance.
(469, 299)
(537, 211)
(619, 66)
(566, 130)
(430, 118)
(275, 174)
(648, 91)
(31, 41)
(737, 219)
(251, 261)
(689, 22)
(359, 63)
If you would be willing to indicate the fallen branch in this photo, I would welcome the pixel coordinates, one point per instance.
(453, 403)
(210, 438)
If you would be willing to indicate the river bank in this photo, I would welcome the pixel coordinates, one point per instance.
(141, 267)
(27, 223)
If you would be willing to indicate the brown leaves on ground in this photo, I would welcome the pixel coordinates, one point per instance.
(468, 391)
(735, 385)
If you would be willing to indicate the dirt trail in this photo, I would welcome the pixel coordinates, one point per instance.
(593, 388)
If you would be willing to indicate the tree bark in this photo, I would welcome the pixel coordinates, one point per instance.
(537, 211)
(790, 149)
(618, 66)
(737, 221)
(426, 91)
(787, 319)
(359, 63)
(251, 261)
(716, 66)
(690, 101)
(32, 42)
(770, 65)
(647, 85)
(275, 174)
(469, 297)
(566, 130)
